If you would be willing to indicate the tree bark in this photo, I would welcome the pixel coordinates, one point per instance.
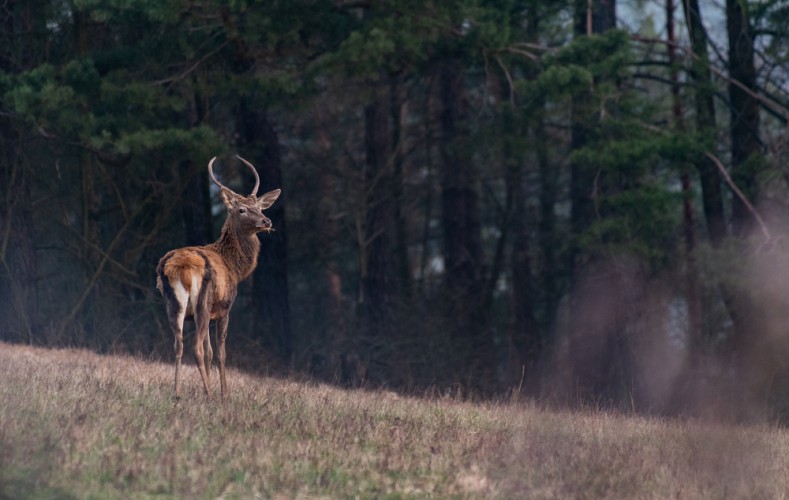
(462, 244)
(270, 278)
(744, 111)
(548, 240)
(594, 16)
(591, 17)
(712, 196)
(692, 291)
(380, 284)
(753, 337)
(399, 113)
(526, 336)
(593, 341)
(196, 199)
(18, 259)
(271, 304)
(195, 203)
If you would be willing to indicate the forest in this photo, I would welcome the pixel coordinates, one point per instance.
(576, 202)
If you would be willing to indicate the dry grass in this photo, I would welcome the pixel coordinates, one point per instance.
(76, 424)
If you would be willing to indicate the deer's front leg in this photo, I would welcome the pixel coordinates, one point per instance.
(221, 336)
(208, 354)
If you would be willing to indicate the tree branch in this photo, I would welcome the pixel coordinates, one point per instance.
(770, 104)
(740, 194)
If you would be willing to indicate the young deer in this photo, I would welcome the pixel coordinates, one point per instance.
(201, 282)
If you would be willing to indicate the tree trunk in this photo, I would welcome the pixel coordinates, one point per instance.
(398, 111)
(462, 244)
(712, 196)
(754, 336)
(526, 337)
(744, 111)
(18, 260)
(538, 333)
(196, 199)
(594, 16)
(592, 359)
(591, 17)
(20, 49)
(549, 184)
(270, 279)
(195, 203)
(380, 286)
(692, 292)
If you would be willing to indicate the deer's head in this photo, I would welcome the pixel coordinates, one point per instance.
(246, 212)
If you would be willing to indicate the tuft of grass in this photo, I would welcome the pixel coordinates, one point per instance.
(77, 424)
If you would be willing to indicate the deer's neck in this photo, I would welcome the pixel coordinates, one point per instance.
(239, 250)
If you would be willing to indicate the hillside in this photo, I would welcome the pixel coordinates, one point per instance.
(74, 423)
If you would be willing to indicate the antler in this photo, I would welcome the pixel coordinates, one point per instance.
(213, 178)
(257, 178)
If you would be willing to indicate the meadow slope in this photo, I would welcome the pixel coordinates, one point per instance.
(77, 424)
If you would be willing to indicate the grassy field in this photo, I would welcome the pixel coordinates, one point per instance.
(76, 424)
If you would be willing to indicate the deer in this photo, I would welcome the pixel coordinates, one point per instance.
(201, 282)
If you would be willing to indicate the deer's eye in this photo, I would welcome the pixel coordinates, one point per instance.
(242, 210)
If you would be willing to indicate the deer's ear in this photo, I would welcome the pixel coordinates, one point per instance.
(229, 198)
(268, 199)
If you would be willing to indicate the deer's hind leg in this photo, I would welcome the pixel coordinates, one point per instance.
(176, 312)
(202, 318)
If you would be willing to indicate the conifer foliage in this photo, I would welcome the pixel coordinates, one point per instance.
(527, 197)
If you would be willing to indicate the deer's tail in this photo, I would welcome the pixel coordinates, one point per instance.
(181, 278)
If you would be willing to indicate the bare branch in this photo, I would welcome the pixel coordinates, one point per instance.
(773, 106)
(740, 194)
(174, 79)
(509, 79)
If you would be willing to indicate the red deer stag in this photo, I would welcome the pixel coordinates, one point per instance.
(201, 282)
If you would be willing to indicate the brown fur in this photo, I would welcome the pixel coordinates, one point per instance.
(217, 269)
(185, 263)
(183, 266)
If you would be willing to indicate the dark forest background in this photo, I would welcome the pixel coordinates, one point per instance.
(571, 201)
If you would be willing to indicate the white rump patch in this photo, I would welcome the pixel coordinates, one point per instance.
(195, 291)
(182, 296)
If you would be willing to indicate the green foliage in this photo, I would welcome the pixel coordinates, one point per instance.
(621, 153)
(397, 36)
(123, 118)
(109, 110)
(198, 142)
(406, 35)
(156, 11)
(679, 148)
(749, 172)
(606, 56)
(633, 202)
(771, 17)
(82, 76)
(365, 53)
(38, 98)
(557, 81)
(596, 64)
(491, 24)
(638, 222)
(626, 156)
